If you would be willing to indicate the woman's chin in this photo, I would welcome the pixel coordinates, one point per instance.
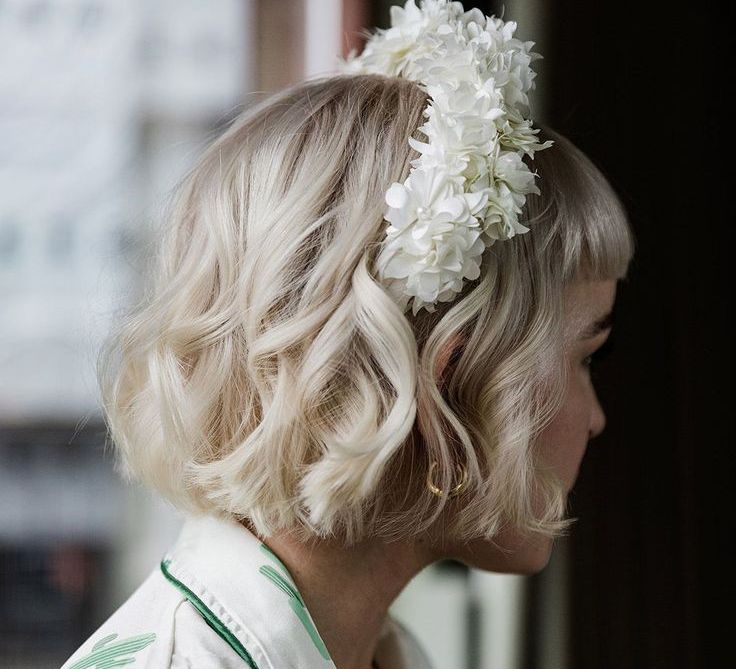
(511, 557)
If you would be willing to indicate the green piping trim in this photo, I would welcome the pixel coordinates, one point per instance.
(210, 618)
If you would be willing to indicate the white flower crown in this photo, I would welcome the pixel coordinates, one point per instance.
(468, 186)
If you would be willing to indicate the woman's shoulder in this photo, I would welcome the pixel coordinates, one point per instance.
(136, 631)
(156, 628)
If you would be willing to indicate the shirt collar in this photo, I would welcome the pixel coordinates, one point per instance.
(243, 584)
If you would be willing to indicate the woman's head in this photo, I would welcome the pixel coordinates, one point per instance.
(561, 445)
(268, 374)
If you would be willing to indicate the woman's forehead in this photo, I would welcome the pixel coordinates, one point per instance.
(588, 307)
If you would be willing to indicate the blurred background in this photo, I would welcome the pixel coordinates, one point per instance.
(103, 106)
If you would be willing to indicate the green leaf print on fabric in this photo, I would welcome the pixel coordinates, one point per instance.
(295, 599)
(105, 654)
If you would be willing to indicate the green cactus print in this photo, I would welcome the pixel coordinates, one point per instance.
(295, 599)
(106, 654)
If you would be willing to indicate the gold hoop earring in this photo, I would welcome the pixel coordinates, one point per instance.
(454, 491)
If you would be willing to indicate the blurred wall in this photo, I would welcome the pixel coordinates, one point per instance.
(104, 104)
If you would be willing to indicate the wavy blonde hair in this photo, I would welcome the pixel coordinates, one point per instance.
(265, 373)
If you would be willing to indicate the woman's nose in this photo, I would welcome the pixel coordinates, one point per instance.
(597, 418)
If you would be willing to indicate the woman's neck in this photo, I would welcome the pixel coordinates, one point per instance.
(348, 591)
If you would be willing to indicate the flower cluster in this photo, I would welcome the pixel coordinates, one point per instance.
(469, 184)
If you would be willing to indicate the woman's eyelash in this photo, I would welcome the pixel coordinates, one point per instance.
(603, 352)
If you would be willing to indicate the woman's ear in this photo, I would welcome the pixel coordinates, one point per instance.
(451, 350)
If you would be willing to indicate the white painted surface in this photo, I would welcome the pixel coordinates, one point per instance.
(500, 597)
(432, 606)
(84, 84)
(323, 42)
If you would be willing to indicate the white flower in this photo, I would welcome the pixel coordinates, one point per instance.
(433, 241)
(394, 50)
(458, 138)
(469, 184)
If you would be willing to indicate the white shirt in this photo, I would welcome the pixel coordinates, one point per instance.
(222, 598)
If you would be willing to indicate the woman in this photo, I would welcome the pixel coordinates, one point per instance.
(327, 442)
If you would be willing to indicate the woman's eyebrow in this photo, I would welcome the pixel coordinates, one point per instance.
(600, 325)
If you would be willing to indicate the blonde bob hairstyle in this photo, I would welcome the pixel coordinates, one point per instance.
(266, 374)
